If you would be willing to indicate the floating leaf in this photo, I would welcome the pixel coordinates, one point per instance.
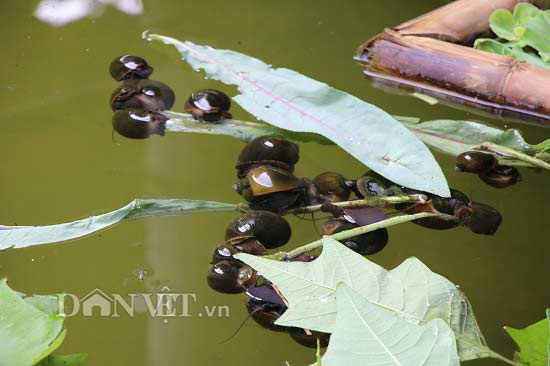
(242, 130)
(368, 334)
(26, 236)
(292, 101)
(411, 290)
(533, 342)
(27, 332)
(455, 137)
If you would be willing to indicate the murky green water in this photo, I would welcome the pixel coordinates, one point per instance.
(59, 163)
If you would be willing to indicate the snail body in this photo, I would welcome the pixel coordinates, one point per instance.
(265, 306)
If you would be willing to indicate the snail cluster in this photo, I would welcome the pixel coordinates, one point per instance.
(138, 101)
(266, 180)
(487, 167)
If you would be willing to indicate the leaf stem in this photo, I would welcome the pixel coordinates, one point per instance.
(498, 356)
(354, 232)
(509, 153)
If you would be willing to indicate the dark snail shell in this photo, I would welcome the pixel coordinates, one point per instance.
(501, 176)
(309, 340)
(138, 124)
(128, 67)
(230, 277)
(480, 218)
(208, 105)
(224, 252)
(149, 95)
(372, 185)
(268, 228)
(263, 180)
(475, 162)
(302, 257)
(333, 186)
(245, 245)
(365, 244)
(436, 204)
(265, 306)
(268, 150)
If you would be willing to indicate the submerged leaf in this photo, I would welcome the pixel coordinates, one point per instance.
(292, 101)
(533, 342)
(410, 290)
(28, 333)
(26, 236)
(367, 334)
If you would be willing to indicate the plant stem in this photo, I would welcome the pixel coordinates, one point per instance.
(356, 231)
(498, 356)
(508, 153)
(380, 201)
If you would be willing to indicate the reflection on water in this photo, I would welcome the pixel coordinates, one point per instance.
(61, 12)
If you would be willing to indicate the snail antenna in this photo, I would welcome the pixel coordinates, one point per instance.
(240, 327)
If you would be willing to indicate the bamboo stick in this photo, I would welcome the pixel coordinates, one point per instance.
(475, 78)
(457, 22)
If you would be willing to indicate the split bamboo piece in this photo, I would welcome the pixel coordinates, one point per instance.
(426, 54)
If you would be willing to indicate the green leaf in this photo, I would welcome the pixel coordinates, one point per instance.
(455, 137)
(411, 291)
(537, 34)
(533, 342)
(524, 12)
(528, 26)
(78, 359)
(25, 236)
(513, 50)
(292, 101)
(502, 23)
(368, 334)
(242, 130)
(27, 333)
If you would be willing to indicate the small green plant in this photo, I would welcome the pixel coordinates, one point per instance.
(523, 35)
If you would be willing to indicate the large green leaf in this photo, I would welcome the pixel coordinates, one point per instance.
(29, 331)
(533, 342)
(292, 101)
(455, 137)
(368, 334)
(411, 290)
(25, 236)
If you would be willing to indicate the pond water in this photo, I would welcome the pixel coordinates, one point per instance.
(60, 163)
